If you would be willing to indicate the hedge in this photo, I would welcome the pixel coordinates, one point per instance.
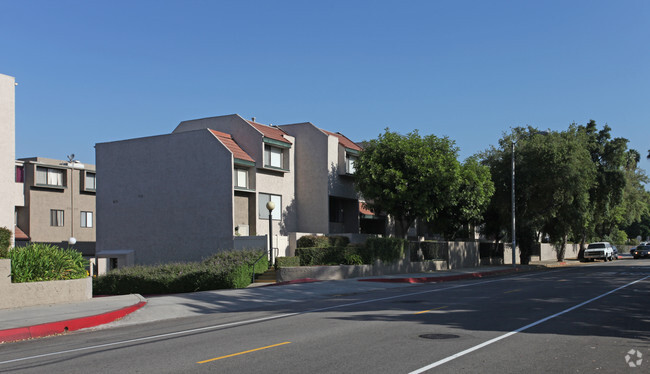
(43, 262)
(5, 241)
(333, 256)
(232, 269)
(284, 262)
(319, 241)
(387, 250)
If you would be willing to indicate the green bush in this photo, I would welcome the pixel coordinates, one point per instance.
(338, 241)
(5, 241)
(351, 255)
(284, 262)
(231, 269)
(43, 262)
(387, 250)
(313, 241)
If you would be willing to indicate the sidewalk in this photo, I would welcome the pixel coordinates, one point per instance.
(112, 311)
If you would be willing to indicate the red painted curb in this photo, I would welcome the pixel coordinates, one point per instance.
(295, 281)
(53, 328)
(438, 279)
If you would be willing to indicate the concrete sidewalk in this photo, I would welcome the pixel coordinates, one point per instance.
(112, 311)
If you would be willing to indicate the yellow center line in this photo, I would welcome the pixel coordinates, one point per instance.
(241, 353)
(511, 291)
(424, 311)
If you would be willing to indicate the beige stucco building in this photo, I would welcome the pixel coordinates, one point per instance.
(59, 202)
(186, 195)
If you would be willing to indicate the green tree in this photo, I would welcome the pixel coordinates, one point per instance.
(474, 193)
(553, 177)
(609, 157)
(408, 176)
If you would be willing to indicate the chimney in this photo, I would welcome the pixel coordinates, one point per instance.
(253, 119)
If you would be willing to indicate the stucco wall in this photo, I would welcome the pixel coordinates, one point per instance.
(7, 150)
(312, 182)
(168, 197)
(18, 295)
(356, 271)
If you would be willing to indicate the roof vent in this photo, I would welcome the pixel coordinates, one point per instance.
(253, 119)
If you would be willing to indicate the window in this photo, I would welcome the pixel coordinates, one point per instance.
(90, 182)
(273, 156)
(350, 161)
(87, 219)
(265, 198)
(20, 174)
(56, 217)
(49, 177)
(241, 178)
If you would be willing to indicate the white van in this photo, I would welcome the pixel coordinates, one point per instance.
(600, 250)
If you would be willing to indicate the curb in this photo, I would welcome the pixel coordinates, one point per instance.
(446, 278)
(60, 327)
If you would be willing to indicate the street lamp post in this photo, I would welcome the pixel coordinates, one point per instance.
(71, 162)
(270, 205)
(514, 241)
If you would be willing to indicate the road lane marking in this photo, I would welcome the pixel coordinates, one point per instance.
(241, 353)
(485, 344)
(264, 319)
(511, 291)
(424, 311)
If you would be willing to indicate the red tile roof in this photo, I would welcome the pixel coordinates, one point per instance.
(230, 143)
(270, 132)
(347, 143)
(20, 234)
(364, 210)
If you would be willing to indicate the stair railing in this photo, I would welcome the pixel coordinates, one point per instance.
(265, 254)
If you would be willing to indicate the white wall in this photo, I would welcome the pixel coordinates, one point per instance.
(7, 151)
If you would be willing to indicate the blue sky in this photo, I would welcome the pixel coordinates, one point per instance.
(99, 71)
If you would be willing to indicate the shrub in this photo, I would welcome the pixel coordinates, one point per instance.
(43, 262)
(5, 241)
(386, 249)
(231, 269)
(338, 241)
(313, 241)
(284, 262)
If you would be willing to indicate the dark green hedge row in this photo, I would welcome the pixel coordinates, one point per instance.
(5, 241)
(387, 250)
(232, 269)
(332, 256)
(313, 241)
(284, 262)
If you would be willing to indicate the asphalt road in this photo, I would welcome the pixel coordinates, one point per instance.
(580, 319)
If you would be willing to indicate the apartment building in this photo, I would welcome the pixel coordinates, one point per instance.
(328, 202)
(185, 195)
(58, 203)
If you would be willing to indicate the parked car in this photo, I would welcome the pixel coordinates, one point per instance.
(599, 250)
(615, 255)
(642, 243)
(641, 251)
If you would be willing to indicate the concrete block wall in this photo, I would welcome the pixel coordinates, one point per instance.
(18, 295)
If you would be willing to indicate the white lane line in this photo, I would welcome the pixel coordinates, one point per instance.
(246, 322)
(459, 354)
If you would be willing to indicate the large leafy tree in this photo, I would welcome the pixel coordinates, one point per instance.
(408, 176)
(609, 157)
(474, 193)
(553, 176)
